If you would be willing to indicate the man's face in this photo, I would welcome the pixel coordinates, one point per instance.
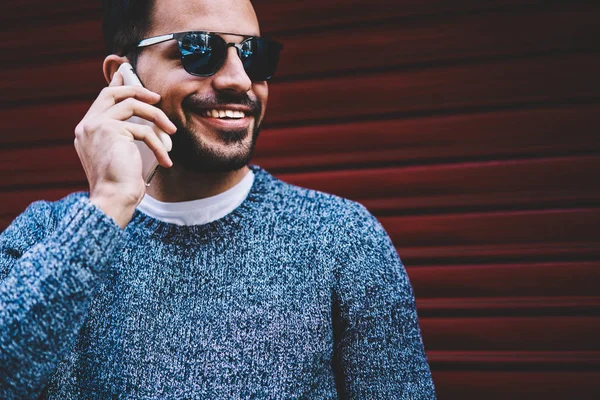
(205, 143)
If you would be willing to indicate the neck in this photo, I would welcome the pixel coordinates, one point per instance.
(177, 184)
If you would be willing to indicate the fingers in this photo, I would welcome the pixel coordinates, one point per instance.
(146, 134)
(111, 95)
(117, 92)
(132, 107)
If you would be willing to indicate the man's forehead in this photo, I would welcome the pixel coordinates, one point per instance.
(232, 16)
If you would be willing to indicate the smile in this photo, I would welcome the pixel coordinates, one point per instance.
(224, 119)
(214, 113)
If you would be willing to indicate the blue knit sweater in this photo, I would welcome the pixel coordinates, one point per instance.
(295, 294)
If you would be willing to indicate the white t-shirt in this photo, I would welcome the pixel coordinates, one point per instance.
(201, 211)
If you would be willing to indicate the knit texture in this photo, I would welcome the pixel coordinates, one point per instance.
(296, 294)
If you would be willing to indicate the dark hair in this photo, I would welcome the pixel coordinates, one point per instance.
(125, 23)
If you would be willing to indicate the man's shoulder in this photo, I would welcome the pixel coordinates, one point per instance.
(338, 222)
(316, 205)
(36, 222)
(47, 212)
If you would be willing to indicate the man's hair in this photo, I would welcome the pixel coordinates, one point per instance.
(125, 23)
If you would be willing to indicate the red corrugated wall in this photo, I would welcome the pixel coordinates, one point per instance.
(468, 127)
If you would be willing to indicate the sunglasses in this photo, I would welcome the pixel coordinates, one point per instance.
(203, 53)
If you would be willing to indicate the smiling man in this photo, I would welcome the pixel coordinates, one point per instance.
(218, 118)
(218, 281)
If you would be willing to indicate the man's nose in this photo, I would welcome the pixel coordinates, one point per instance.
(231, 76)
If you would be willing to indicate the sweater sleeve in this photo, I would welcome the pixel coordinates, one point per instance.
(48, 277)
(379, 351)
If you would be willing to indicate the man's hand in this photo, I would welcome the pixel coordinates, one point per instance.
(104, 144)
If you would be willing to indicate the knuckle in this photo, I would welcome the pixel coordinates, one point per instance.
(129, 102)
(91, 125)
(148, 131)
(106, 92)
(78, 130)
(158, 114)
(87, 127)
(128, 91)
(121, 103)
(142, 133)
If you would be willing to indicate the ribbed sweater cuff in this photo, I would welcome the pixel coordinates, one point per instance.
(90, 234)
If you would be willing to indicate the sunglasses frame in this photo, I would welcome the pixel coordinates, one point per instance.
(179, 35)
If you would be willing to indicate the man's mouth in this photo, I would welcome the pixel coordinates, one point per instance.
(224, 118)
(223, 114)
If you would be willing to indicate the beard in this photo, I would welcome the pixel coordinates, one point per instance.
(193, 153)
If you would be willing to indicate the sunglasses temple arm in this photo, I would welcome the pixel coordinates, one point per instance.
(155, 40)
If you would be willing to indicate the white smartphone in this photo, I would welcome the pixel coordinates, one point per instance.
(149, 161)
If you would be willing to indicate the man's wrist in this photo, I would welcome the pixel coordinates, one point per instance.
(119, 209)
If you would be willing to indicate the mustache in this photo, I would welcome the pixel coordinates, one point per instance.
(221, 99)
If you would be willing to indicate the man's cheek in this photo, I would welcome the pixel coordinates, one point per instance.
(176, 114)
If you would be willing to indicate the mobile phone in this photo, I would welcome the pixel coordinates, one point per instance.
(149, 161)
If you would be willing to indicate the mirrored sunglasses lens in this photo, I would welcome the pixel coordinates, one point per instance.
(260, 58)
(201, 53)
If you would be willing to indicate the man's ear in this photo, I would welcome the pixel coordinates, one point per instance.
(111, 64)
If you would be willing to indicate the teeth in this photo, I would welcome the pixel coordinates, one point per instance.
(224, 113)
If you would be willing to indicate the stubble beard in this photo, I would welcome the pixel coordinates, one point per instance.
(194, 154)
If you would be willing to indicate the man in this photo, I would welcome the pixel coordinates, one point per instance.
(218, 281)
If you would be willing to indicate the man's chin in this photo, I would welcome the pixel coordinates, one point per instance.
(227, 152)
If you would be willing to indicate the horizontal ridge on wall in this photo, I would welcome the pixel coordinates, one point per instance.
(508, 306)
(583, 250)
(519, 360)
(563, 279)
(511, 333)
(485, 228)
(465, 185)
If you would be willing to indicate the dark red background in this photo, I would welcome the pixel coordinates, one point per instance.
(468, 127)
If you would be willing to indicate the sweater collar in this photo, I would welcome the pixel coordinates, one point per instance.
(144, 225)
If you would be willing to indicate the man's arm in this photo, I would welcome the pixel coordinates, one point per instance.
(48, 277)
(47, 284)
(379, 352)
